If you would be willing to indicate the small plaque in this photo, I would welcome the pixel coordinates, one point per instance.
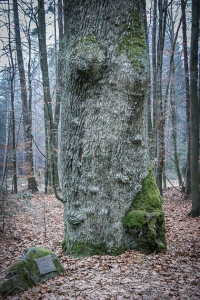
(45, 265)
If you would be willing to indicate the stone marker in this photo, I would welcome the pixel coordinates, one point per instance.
(33, 267)
(45, 265)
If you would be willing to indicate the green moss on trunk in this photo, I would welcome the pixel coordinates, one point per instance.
(133, 42)
(144, 221)
(87, 248)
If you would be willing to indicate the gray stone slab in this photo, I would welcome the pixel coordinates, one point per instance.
(45, 264)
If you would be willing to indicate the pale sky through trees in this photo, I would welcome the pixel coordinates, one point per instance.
(23, 20)
(50, 29)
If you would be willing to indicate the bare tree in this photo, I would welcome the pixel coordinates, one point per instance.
(50, 134)
(12, 115)
(26, 107)
(187, 94)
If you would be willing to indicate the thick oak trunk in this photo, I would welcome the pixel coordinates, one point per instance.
(194, 110)
(110, 197)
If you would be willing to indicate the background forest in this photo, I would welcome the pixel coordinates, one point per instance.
(31, 55)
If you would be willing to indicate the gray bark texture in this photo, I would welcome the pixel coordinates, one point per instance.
(194, 110)
(110, 196)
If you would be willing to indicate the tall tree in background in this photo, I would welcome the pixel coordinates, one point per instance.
(154, 81)
(4, 96)
(26, 107)
(187, 95)
(110, 197)
(162, 8)
(58, 68)
(11, 129)
(50, 134)
(194, 110)
(170, 89)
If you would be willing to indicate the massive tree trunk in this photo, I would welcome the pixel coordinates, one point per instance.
(194, 110)
(111, 202)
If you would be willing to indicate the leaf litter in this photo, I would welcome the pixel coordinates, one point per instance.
(174, 274)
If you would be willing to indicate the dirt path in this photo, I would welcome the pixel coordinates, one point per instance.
(174, 274)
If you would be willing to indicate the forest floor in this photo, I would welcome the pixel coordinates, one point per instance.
(174, 274)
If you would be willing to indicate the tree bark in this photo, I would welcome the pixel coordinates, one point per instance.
(162, 5)
(58, 69)
(27, 120)
(154, 83)
(174, 130)
(110, 196)
(12, 115)
(194, 110)
(187, 94)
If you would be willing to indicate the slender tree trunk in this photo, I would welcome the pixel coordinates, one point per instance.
(58, 73)
(194, 110)
(187, 91)
(154, 84)
(27, 120)
(174, 131)
(58, 69)
(14, 150)
(162, 5)
(105, 161)
(49, 122)
(47, 164)
(12, 75)
(5, 167)
(32, 185)
(170, 93)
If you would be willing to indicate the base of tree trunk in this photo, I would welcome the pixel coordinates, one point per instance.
(142, 227)
(32, 185)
